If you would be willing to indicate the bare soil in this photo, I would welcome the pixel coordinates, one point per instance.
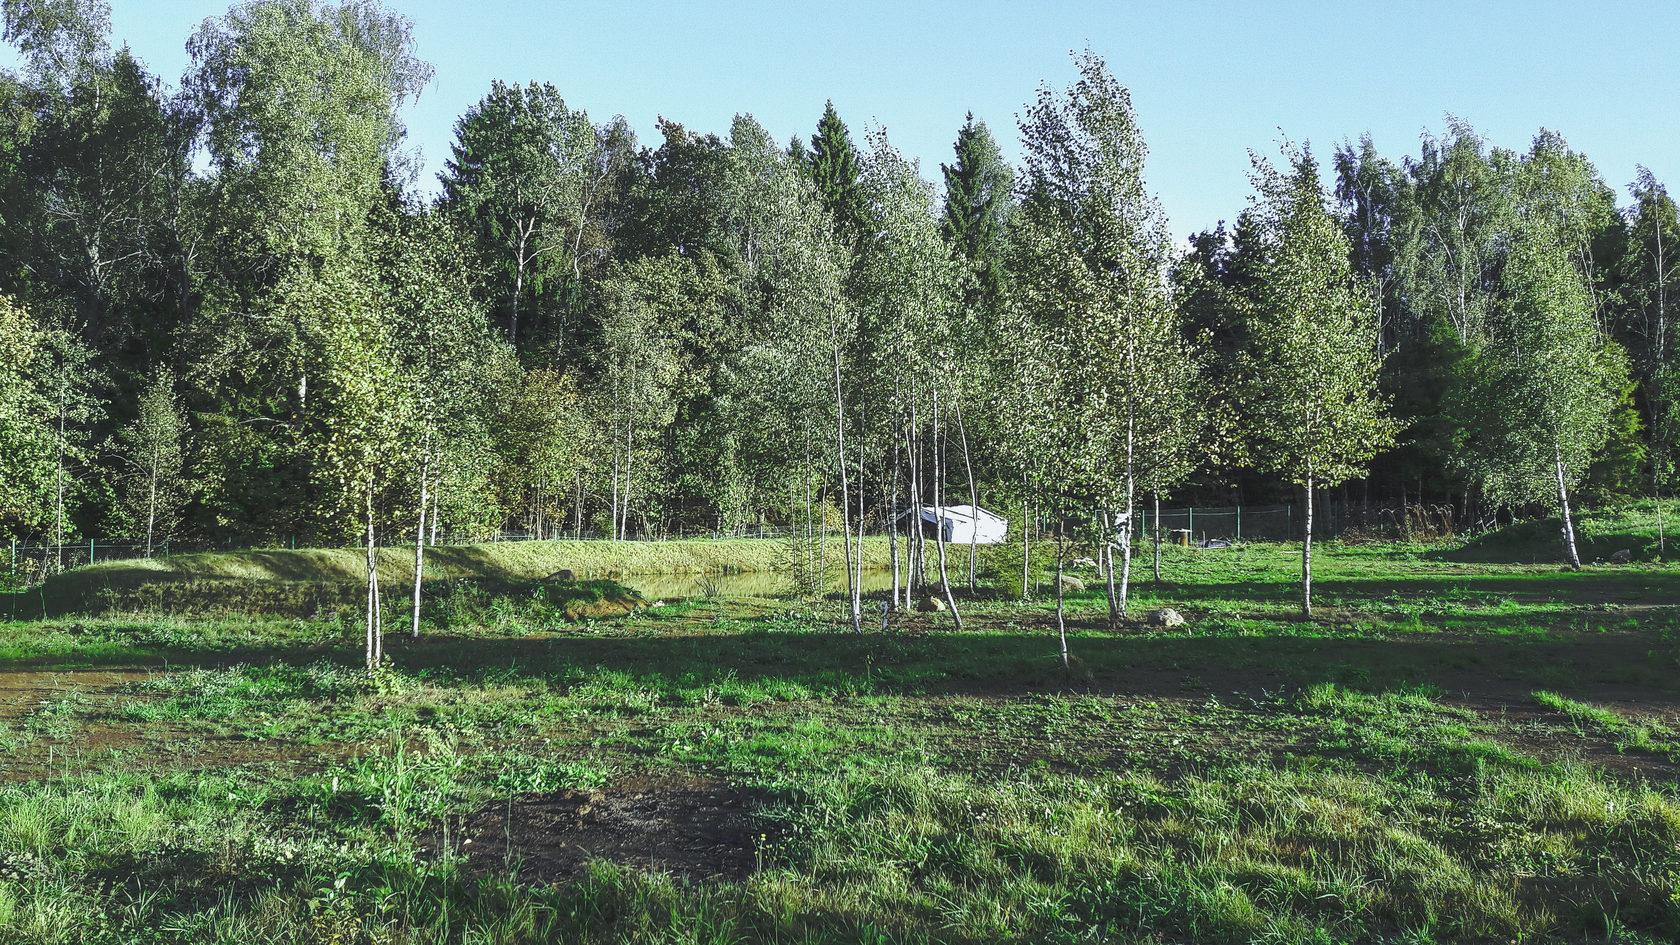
(696, 830)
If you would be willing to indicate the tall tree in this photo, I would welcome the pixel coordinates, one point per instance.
(904, 354)
(1102, 265)
(834, 169)
(978, 190)
(1649, 271)
(298, 171)
(1314, 410)
(1547, 381)
(527, 180)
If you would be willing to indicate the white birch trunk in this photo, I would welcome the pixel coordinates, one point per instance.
(845, 494)
(973, 501)
(420, 531)
(1570, 552)
(939, 514)
(1306, 553)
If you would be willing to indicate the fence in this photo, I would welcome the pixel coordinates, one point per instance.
(1231, 523)
(31, 562)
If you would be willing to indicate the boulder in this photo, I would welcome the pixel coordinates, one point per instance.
(1083, 563)
(931, 605)
(1165, 617)
(564, 574)
(1072, 584)
(1622, 557)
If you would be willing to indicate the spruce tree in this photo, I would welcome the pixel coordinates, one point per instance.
(834, 168)
(977, 203)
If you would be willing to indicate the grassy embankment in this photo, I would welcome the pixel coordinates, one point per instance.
(309, 581)
(1454, 751)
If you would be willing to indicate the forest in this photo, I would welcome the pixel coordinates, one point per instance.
(233, 315)
(593, 420)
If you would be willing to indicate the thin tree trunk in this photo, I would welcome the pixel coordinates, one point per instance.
(624, 529)
(845, 494)
(892, 527)
(1157, 523)
(918, 555)
(1061, 620)
(151, 505)
(372, 585)
(973, 500)
(1107, 556)
(1306, 553)
(1131, 501)
(420, 530)
(940, 514)
(857, 566)
(1026, 552)
(1570, 553)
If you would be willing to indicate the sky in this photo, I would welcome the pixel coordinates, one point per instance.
(1210, 80)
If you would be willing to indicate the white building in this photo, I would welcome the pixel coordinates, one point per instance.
(962, 523)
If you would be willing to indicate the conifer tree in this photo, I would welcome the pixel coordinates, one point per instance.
(834, 168)
(977, 205)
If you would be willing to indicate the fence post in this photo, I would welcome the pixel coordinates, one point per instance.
(1190, 522)
(1239, 523)
(90, 550)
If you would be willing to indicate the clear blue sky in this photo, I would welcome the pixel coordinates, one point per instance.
(1210, 79)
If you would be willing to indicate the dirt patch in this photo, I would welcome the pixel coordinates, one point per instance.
(695, 830)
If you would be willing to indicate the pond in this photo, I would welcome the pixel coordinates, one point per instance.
(752, 584)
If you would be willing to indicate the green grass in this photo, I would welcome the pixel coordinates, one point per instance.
(1454, 751)
(305, 580)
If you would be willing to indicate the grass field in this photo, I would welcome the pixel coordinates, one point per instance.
(304, 581)
(1455, 750)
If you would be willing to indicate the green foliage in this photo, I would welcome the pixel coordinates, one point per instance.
(154, 448)
(1315, 414)
(834, 169)
(1546, 382)
(524, 183)
(26, 440)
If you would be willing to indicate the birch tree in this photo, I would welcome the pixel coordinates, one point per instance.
(1313, 408)
(1650, 273)
(1547, 381)
(153, 449)
(525, 178)
(1102, 271)
(905, 287)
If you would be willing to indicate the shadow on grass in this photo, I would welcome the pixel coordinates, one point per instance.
(1011, 663)
(1578, 588)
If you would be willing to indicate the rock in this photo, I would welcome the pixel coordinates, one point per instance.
(1622, 557)
(1083, 563)
(564, 574)
(931, 605)
(1165, 617)
(1071, 583)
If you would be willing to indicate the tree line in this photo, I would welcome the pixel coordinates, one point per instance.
(226, 314)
